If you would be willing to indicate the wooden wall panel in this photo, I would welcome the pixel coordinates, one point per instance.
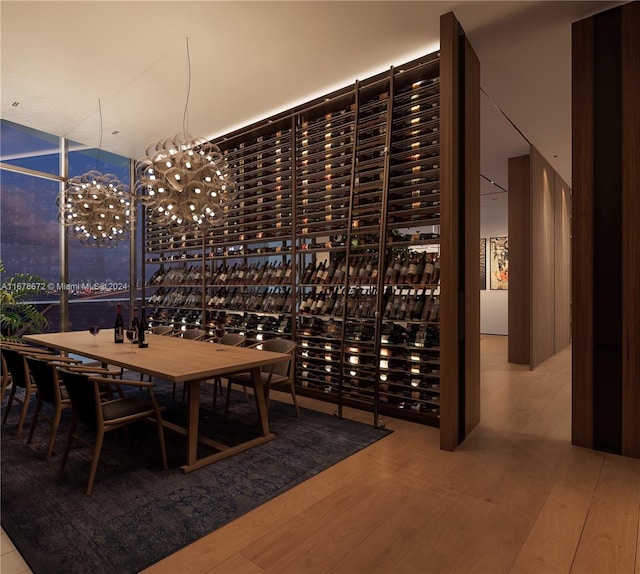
(449, 246)
(562, 261)
(582, 232)
(519, 260)
(542, 259)
(631, 232)
(460, 234)
(472, 237)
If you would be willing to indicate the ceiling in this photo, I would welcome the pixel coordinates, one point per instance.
(251, 59)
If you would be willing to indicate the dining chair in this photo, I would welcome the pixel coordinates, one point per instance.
(6, 378)
(162, 330)
(19, 372)
(232, 340)
(196, 335)
(44, 374)
(14, 356)
(275, 376)
(98, 416)
(50, 389)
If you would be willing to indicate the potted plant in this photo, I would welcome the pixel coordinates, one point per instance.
(17, 316)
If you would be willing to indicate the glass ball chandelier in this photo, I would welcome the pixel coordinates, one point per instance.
(184, 181)
(96, 207)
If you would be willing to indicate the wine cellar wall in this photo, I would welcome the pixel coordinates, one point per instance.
(333, 240)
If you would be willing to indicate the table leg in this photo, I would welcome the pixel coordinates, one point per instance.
(193, 414)
(193, 400)
(263, 407)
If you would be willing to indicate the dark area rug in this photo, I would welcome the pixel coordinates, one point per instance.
(138, 513)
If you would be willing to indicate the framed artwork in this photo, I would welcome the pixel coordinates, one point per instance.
(499, 257)
(483, 263)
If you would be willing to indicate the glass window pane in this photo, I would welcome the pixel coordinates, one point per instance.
(83, 159)
(99, 276)
(26, 147)
(29, 236)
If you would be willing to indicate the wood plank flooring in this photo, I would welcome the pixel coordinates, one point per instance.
(516, 497)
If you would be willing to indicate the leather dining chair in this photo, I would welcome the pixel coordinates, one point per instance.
(44, 374)
(98, 416)
(15, 361)
(195, 334)
(275, 376)
(6, 377)
(50, 389)
(162, 330)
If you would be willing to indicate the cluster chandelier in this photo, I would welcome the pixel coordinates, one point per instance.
(185, 181)
(97, 207)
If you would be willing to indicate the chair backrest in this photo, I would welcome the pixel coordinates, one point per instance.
(5, 376)
(233, 339)
(279, 346)
(16, 365)
(84, 395)
(45, 377)
(162, 330)
(192, 334)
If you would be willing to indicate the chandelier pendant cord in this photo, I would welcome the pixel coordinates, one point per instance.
(185, 118)
(100, 140)
(96, 207)
(185, 182)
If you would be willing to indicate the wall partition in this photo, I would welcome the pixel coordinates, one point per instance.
(606, 240)
(539, 254)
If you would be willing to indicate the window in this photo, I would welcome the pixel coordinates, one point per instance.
(98, 278)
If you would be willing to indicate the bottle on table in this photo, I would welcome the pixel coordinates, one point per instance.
(142, 343)
(135, 326)
(118, 327)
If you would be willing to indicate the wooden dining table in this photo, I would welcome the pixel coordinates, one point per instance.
(180, 361)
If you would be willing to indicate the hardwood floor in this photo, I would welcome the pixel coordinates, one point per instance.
(515, 497)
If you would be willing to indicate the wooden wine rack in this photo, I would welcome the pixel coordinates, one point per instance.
(336, 217)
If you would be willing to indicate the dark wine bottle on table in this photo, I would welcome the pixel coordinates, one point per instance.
(118, 327)
(135, 326)
(142, 343)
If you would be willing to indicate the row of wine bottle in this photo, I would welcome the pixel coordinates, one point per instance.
(356, 355)
(167, 297)
(418, 305)
(359, 390)
(252, 325)
(415, 335)
(261, 300)
(404, 269)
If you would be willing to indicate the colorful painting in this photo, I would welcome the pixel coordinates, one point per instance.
(483, 263)
(499, 255)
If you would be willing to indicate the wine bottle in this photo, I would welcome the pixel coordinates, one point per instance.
(417, 310)
(143, 327)
(118, 327)
(435, 278)
(135, 326)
